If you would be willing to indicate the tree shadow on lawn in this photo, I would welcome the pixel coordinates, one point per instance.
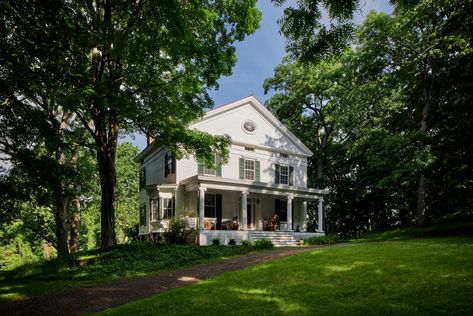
(307, 285)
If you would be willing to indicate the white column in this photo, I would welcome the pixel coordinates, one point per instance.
(289, 212)
(321, 215)
(244, 207)
(304, 216)
(201, 206)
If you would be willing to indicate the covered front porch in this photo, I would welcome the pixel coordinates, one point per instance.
(243, 210)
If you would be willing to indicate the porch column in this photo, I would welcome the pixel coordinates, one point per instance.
(320, 227)
(304, 216)
(244, 207)
(289, 212)
(201, 206)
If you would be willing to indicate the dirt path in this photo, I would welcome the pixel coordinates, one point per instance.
(79, 301)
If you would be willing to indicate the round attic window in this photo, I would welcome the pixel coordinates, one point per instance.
(249, 126)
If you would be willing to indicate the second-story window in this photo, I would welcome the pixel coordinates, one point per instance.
(142, 178)
(284, 174)
(214, 170)
(249, 169)
(169, 164)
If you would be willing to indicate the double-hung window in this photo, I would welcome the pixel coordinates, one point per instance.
(249, 169)
(214, 170)
(284, 174)
(168, 207)
(154, 209)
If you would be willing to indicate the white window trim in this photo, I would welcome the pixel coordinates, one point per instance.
(154, 211)
(245, 169)
(162, 208)
(213, 171)
(286, 174)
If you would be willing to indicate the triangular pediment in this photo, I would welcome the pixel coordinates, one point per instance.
(268, 132)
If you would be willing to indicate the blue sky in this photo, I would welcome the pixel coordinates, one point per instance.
(259, 53)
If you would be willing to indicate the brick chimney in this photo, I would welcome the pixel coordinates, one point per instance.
(149, 140)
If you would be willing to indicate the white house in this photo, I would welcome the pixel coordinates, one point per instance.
(260, 193)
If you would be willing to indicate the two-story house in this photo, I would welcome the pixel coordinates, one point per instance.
(260, 193)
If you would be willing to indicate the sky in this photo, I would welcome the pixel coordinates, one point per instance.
(259, 54)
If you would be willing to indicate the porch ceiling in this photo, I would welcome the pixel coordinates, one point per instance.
(193, 183)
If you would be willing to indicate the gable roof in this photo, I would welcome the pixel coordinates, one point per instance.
(264, 112)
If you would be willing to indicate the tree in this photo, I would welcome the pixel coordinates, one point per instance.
(128, 65)
(305, 96)
(399, 140)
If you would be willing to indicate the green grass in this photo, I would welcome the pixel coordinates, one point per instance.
(429, 276)
(126, 261)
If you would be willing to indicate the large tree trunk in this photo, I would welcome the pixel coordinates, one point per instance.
(106, 160)
(427, 99)
(61, 208)
(421, 200)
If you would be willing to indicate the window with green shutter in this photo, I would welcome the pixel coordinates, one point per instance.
(215, 170)
(250, 169)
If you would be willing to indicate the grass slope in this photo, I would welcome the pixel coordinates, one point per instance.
(126, 261)
(431, 276)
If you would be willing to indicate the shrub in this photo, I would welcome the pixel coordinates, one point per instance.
(232, 242)
(245, 243)
(322, 240)
(264, 244)
(215, 241)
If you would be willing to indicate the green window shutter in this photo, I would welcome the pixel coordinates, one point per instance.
(291, 175)
(257, 171)
(218, 171)
(242, 168)
(201, 167)
(276, 174)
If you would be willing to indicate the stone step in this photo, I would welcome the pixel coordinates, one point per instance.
(277, 238)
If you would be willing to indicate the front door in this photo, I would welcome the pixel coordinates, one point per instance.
(250, 213)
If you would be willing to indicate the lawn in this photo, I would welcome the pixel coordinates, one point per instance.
(126, 261)
(406, 277)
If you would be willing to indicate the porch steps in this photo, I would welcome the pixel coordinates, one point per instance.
(278, 238)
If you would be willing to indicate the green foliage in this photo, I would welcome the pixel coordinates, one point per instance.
(246, 243)
(177, 232)
(385, 113)
(369, 279)
(117, 66)
(216, 241)
(94, 267)
(263, 244)
(328, 239)
(232, 242)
